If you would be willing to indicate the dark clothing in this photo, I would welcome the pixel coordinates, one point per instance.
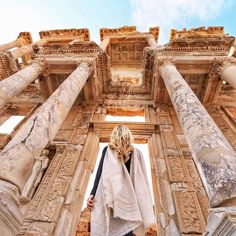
(129, 234)
(99, 173)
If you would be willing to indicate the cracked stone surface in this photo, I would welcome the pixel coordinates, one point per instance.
(214, 157)
(17, 82)
(17, 157)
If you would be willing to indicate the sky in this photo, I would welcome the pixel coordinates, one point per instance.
(37, 15)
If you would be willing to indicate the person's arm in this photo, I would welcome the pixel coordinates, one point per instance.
(99, 172)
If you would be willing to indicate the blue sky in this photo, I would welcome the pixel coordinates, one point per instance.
(36, 15)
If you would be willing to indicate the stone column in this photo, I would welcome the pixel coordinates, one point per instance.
(17, 82)
(151, 41)
(10, 45)
(213, 155)
(17, 158)
(228, 73)
(19, 52)
(104, 43)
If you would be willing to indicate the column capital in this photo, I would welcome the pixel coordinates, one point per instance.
(219, 64)
(87, 63)
(216, 68)
(165, 61)
(228, 71)
(41, 62)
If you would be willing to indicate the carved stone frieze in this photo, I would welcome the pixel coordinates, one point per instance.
(197, 32)
(200, 39)
(62, 33)
(176, 169)
(189, 213)
(195, 178)
(79, 47)
(226, 130)
(25, 38)
(122, 30)
(8, 65)
(155, 32)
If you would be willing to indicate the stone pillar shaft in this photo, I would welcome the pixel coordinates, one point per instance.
(213, 155)
(10, 45)
(17, 157)
(20, 52)
(228, 73)
(151, 41)
(17, 82)
(104, 43)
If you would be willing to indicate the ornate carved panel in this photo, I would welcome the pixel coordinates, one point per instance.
(189, 213)
(226, 130)
(83, 34)
(8, 65)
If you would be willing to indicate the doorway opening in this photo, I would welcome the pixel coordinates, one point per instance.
(142, 147)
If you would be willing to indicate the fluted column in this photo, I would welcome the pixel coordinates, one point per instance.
(228, 73)
(213, 155)
(20, 52)
(17, 82)
(104, 43)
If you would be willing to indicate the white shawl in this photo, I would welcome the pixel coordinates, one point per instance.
(123, 201)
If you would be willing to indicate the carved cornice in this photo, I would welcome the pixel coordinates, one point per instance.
(199, 41)
(155, 32)
(65, 33)
(25, 38)
(214, 31)
(78, 47)
(117, 31)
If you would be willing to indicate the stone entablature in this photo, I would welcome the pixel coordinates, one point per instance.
(215, 31)
(83, 34)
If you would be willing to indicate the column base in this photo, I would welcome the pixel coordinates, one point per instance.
(10, 216)
(221, 222)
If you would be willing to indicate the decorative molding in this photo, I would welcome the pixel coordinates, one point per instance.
(8, 65)
(155, 32)
(66, 33)
(117, 31)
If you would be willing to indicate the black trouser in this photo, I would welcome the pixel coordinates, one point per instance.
(129, 234)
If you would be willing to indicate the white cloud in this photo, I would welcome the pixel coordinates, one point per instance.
(174, 13)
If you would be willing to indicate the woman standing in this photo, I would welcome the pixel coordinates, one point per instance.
(120, 199)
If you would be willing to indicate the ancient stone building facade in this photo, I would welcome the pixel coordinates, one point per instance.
(65, 84)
